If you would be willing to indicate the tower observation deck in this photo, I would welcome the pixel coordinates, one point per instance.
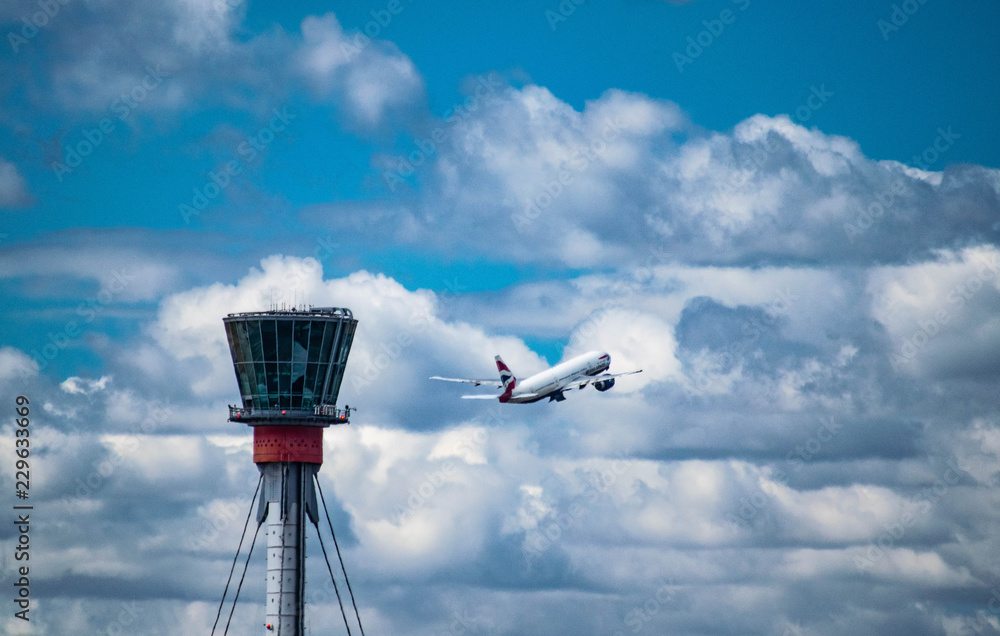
(289, 365)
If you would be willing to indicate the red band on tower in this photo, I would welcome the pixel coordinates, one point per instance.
(288, 444)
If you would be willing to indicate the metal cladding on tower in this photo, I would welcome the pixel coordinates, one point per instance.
(290, 365)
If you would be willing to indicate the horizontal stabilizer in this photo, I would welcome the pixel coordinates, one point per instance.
(476, 382)
(481, 397)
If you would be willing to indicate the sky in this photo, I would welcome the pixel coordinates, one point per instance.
(786, 213)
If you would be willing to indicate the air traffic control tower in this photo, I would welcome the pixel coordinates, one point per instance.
(289, 365)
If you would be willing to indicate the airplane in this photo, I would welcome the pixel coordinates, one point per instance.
(575, 373)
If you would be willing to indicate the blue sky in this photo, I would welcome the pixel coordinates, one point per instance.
(889, 90)
(787, 214)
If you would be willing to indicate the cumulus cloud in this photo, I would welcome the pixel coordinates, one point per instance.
(403, 341)
(770, 438)
(640, 340)
(372, 79)
(628, 177)
(782, 475)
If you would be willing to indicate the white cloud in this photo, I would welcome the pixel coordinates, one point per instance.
(14, 364)
(635, 340)
(506, 486)
(203, 25)
(528, 176)
(401, 343)
(941, 315)
(425, 489)
(172, 37)
(13, 190)
(118, 271)
(830, 155)
(111, 57)
(402, 494)
(82, 386)
(372, 79)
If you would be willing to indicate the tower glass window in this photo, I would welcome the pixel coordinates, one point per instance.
(290, 360)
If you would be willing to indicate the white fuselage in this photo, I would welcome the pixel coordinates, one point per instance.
(543, 384)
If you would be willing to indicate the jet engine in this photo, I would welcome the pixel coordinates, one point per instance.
(604, 385)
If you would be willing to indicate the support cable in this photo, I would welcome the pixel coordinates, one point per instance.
(342, 568)
(243, 536)
(242, 576)
(332, 578)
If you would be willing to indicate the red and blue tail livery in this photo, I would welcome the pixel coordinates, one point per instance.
(507, 380)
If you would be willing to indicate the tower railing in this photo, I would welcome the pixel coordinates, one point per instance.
(319, 415)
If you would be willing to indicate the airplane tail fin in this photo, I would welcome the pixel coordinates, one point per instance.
(506, 378)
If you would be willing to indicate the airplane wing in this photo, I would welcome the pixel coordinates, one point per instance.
(492, 382)
(579, 384)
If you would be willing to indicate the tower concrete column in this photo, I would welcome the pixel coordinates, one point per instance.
(288, 503)
(285, 551)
